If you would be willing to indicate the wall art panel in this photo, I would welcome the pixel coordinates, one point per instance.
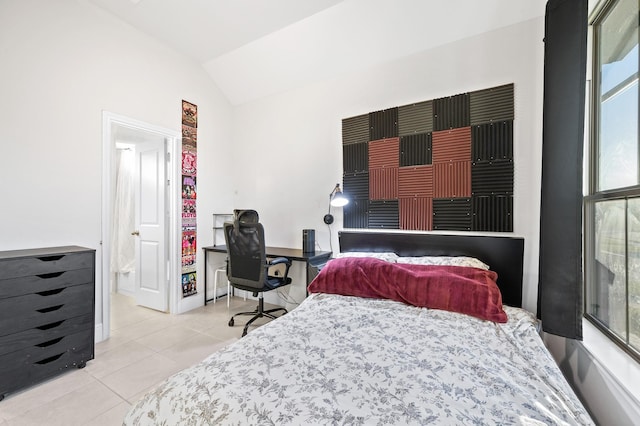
(416, 213)
(439, 164)
(189, 195)
(416, 149)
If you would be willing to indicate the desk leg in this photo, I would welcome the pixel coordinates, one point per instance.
(306, 287)
(204, 275)
(308, 276)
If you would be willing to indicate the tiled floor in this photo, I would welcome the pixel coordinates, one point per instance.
(145, 348)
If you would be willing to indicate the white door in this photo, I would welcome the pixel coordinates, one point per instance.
(151, 286)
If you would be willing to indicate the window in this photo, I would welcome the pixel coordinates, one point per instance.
(612, 203)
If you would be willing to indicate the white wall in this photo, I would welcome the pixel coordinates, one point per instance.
(290, 146)
(63, 64)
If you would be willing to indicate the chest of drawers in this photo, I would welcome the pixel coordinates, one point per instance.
(47, 311)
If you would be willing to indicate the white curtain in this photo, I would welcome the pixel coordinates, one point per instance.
(122, 242)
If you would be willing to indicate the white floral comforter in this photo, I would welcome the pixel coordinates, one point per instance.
(338, 360)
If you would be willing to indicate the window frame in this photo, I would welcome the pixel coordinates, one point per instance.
(593, 195)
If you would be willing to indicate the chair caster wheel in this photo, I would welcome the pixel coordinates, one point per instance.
(231, 322)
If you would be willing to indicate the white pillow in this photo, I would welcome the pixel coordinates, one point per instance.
(386, 256)
(444, 260)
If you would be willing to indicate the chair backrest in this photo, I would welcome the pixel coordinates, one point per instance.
(245, 216)
(246, 253)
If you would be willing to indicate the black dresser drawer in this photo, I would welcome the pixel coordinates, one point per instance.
(36, 363)
(44, 333)
(33, 310)
(44, 282)
(46, 263)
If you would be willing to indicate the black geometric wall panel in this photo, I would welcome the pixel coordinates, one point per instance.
(415, 118)
(383, 124)
(492, 177)
(384, 214)
(492, 213)
(355, 129)
(355, 157)
(452, 214)
(451, 112)
(440, 164)
(492, 141)
(415, 149)
(356, 214)
(492, 104)
(356, 185)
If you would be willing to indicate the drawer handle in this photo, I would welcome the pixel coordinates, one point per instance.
(50, 325)
(50, 292)
(50, 342)
(50, 359)
(50, 309)
(51, 258)
(50, 275)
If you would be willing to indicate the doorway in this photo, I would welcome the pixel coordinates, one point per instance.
(139, 226)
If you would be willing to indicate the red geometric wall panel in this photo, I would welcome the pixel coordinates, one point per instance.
(416, 213)
(383, 184)
(383, 169)
(452, 179)
(415, 181)
(384, 153)
(440, 164)
(452, 145)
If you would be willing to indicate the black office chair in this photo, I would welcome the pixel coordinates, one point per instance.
(247, 264)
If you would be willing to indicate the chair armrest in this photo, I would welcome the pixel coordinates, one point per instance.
(279, 260)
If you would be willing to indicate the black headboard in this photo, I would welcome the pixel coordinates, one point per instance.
(504, 255)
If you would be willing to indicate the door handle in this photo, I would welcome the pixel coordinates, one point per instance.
(136, 233)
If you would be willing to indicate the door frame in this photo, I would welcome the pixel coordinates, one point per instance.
(110, 121)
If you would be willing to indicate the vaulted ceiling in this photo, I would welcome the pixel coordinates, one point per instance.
(256, 48)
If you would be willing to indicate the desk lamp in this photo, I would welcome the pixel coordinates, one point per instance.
(336, 199)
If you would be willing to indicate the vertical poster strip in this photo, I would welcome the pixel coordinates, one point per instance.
(189, 171)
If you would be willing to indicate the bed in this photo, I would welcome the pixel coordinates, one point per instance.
(365, 347)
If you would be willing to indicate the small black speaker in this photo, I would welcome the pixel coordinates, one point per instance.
(308, 240)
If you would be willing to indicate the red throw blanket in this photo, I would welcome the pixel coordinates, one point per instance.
(460, 289)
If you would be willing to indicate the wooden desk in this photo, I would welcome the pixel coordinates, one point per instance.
(311, 259)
